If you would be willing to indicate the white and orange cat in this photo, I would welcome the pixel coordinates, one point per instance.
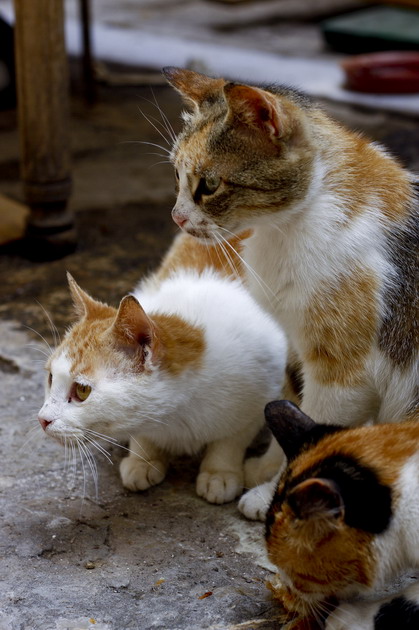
(335, 244)
(186, 362)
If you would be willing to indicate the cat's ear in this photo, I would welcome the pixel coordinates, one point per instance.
(256, 108)
(316, 498)
(85, 305)
(132, 326)
(289, 425)
(194, 87)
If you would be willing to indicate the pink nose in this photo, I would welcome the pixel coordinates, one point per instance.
(179, 218)
(44, 423)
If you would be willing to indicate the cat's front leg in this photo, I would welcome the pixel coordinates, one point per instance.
(254, 504)
(145, 466)
(221, 474)
(336, 404)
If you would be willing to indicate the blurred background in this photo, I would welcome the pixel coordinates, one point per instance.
(81, 91)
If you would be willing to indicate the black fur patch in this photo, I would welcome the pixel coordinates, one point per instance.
(368, 503)
(400, 614)
(399, 333)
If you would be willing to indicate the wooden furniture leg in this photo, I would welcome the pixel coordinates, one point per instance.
(43, 118)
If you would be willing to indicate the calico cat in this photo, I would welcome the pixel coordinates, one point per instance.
(187, 361)
(342, 527)
(334, 248)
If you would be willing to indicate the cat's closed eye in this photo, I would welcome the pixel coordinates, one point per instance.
(49, 379)
(82, 391)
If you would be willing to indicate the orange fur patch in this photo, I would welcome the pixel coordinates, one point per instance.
(319, 561)
(187, 252)
(340, 326)
(360, 173)
(383, 447)
(91, 343)
(181, 345)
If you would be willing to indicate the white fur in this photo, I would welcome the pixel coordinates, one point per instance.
(218, 404)
(289, 256)
(395, 551)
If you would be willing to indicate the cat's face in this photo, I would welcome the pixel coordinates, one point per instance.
(320, 525)
(242, 156)
(317, 554)
(91, 373)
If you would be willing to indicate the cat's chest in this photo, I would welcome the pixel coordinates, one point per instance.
(276, 276)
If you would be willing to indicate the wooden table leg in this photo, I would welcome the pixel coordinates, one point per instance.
(43, 118)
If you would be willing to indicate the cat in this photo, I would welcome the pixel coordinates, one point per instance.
(333, 254)
(342, 527)
(192, 370)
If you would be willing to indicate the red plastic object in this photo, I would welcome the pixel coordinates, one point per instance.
(383, 72)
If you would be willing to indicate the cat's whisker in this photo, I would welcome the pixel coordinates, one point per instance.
(151, 144)
(114, 442)
(157, 163)
(102, 436)
(166, 122)
(265, 288)
(316, 612)
(73, 466)
(161, 134)
(144, 459)
(139, 446)
(162, 155)
(54, 330)
(33, 433)
(80, 449)
(229, 259)
(38, 349)
(162, 126)
(41, 337)
(100, 448)
(84, 449)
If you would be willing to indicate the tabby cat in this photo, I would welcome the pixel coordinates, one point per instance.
(191, 371)
(343, 524)
(334, 249)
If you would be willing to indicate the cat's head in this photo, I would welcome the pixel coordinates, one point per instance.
(91, 373)
(325, 513)
(243, 154)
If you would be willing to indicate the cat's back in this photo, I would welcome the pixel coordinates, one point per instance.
(239, 335)
(209, 300)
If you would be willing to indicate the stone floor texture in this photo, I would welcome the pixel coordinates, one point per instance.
(74, 556)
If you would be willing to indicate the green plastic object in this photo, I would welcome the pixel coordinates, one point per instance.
(373, 29)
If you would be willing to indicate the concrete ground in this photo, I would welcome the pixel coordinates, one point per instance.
(73, 557)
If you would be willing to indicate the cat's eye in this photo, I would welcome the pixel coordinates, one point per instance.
(208, 185)
(49, 379)
(82, 391)
(177, 174)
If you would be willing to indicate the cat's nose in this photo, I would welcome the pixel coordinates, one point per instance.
(44, 423)
(178, 217)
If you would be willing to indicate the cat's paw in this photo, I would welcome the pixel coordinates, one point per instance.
(254, 504)
(219, 487)
(140, 475)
